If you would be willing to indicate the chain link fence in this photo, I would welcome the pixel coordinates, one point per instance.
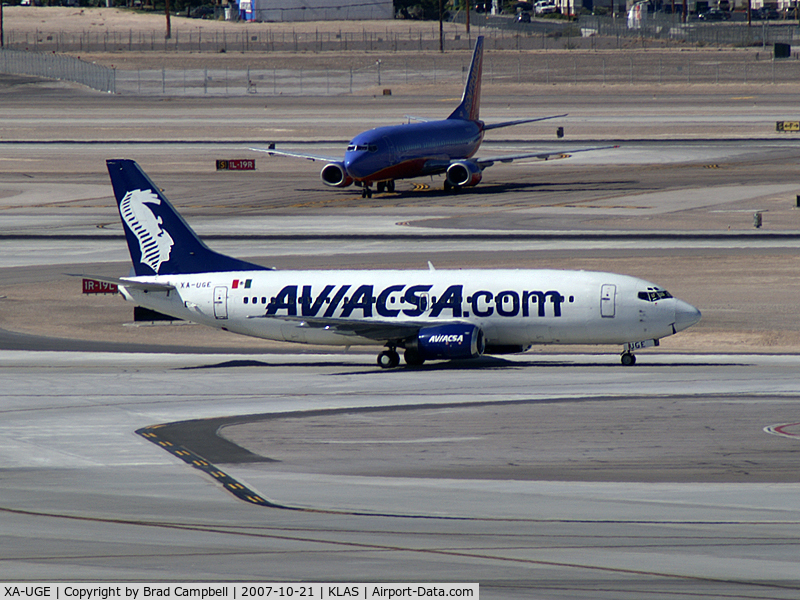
(401, 62)
(58, 66)
(623, 68)
(247, 39)
(502, 33)
(663, 27)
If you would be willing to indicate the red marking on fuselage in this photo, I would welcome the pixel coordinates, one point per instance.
(403, 170)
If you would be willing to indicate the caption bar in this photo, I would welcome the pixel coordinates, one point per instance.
(238, 591)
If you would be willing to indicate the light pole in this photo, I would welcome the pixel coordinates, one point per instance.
(441, 27)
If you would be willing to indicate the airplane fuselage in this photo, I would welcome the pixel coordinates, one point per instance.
(511, 307)
(411, 150)
(383, 155)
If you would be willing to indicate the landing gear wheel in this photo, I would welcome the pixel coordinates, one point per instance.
(380, 187)
(368, 191)
(388, 359)
(412, 357)
(628, 359)
(390, 186)
(447, 185)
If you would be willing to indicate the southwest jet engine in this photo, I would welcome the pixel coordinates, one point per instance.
(464, 174)
(335, 175)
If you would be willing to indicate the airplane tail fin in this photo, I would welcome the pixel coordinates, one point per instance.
(159, 240)
(471, 100)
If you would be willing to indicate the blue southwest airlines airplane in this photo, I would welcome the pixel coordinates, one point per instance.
(385, 154)
(430, 314)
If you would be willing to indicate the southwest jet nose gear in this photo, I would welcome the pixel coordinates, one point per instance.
(366, 191)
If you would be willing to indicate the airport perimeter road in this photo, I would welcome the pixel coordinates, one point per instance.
(531, 476)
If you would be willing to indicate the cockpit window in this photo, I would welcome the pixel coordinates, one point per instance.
(362, 148)
(654, 295)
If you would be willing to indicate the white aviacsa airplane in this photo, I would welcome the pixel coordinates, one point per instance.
(430, 314)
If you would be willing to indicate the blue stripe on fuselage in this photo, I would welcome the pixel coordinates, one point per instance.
(414, 143)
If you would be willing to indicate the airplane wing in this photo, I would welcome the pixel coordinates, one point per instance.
(381, 331)
(489, 161)
(272, 151)
(150, 286)
(519, 122)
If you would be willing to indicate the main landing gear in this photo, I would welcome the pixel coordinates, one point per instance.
(389, 359)
(449, 187)
(380, 187)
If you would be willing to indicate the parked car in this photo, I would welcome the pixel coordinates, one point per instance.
(524, 17)
(764, 14)
(714, 14)
(545, 7)
(202, 12)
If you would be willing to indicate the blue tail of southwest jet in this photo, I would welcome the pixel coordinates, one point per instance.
(159, 240)
(471, 100)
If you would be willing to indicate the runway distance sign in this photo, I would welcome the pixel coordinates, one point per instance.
(246, 164)
(787, 126)
(92, 286)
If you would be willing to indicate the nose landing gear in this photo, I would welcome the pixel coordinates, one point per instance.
(628, 358)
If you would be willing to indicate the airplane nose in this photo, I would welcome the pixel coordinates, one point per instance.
(353, 165)
(686, 315)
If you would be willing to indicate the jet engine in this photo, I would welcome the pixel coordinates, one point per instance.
(464, 174)
(335, 175)
(454, 340)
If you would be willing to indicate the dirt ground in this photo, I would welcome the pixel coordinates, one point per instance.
(55, 18)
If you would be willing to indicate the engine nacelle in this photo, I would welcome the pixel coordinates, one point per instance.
(449, 341)
(464, 174)
(335, 175)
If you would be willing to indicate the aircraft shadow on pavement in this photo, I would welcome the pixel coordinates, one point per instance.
(483, 363)
(489, 363)
(490, 189)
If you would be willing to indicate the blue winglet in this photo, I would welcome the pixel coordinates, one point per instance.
(159, 240)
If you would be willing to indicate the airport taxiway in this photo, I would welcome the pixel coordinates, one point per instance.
(83, 497)
(545, 475)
